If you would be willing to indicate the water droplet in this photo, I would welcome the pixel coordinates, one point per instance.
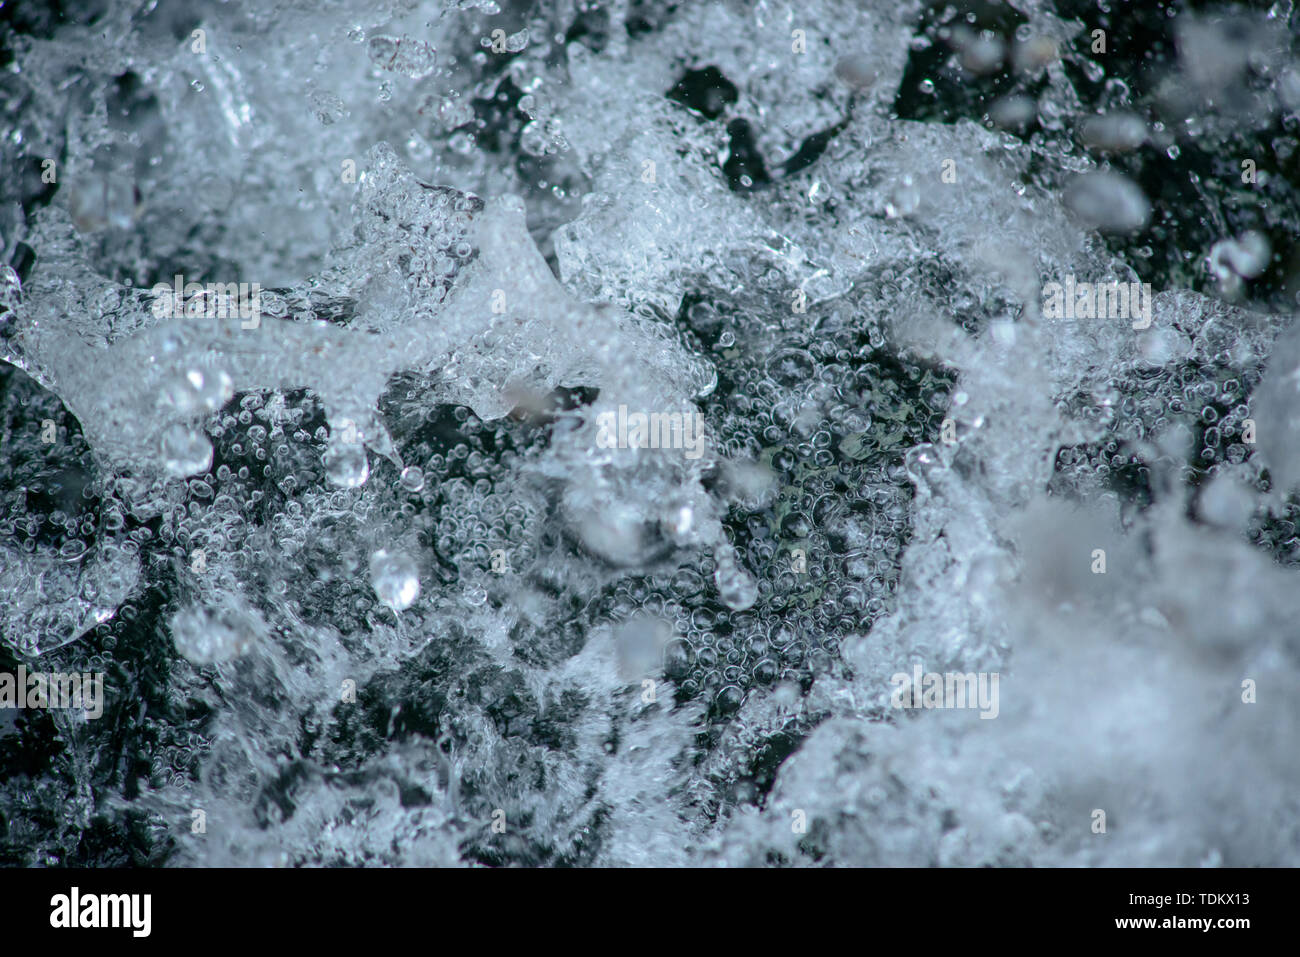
(198, 389)
(1108, 202)
(904, 200)
(346, 465)
(395, 579)
(679, 522)
(404, 55)
(185, 451)
(211, 635)
(736, 587)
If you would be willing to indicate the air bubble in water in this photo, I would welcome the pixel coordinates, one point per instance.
(412, 479)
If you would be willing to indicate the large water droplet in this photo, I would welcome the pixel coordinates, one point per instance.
(736, 587)
(208, 636)
(395, 579)
(198, 390)
(1108, 202)
(185, 451)
(346, 465)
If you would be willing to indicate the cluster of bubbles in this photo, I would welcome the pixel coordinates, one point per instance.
(826, 421)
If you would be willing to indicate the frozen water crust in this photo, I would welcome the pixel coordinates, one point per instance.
(535, 648)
